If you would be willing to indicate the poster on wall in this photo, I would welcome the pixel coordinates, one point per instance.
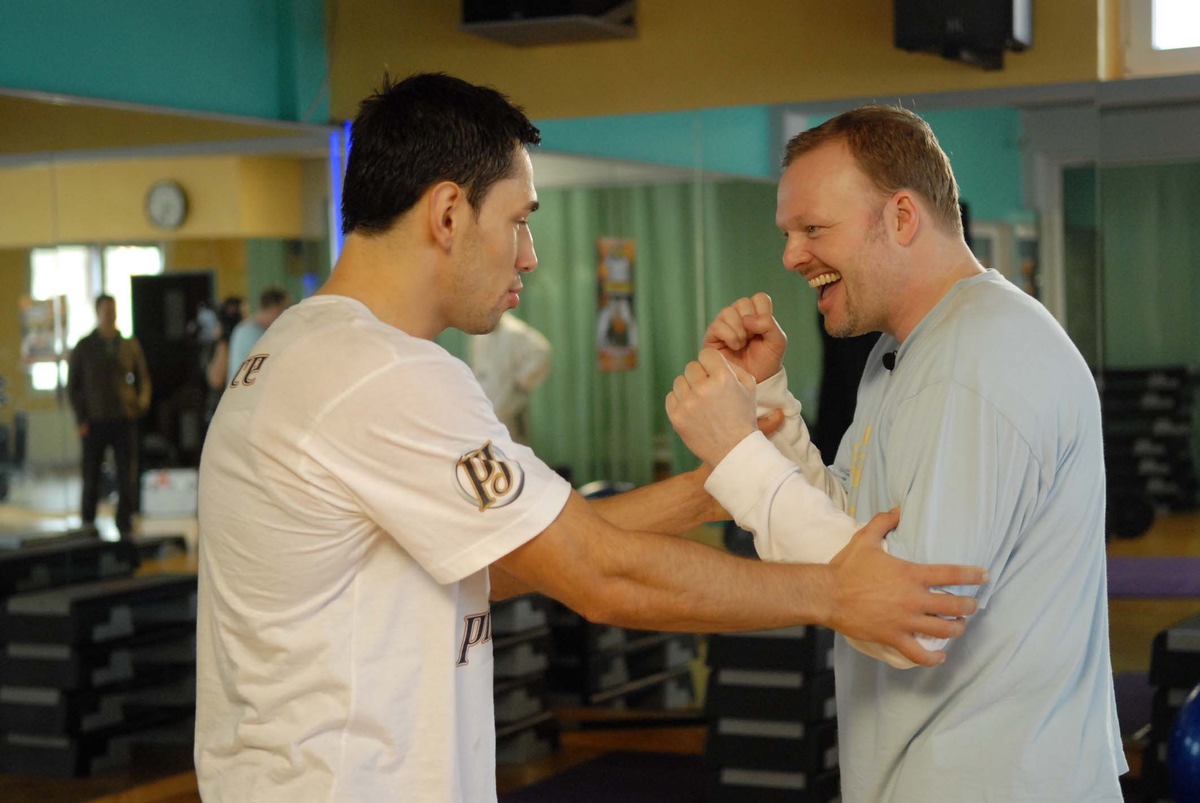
(616, 327)
(42, 322)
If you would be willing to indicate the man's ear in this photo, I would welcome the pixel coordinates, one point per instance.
(445, 206)
(906, 217)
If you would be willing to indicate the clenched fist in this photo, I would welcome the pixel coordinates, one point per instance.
(711, 406)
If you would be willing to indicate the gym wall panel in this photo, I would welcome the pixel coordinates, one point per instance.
(261, 59)
(26, 207)
(99, 202)
(225, 257)
(105, 201)
(692, 54)
(731, 141)
(270, 197)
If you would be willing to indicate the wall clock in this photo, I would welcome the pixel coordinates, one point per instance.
(166, 204)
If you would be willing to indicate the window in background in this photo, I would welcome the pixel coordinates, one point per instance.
(1162, 37)
(78, 272)
(1176, 24)
(67, 271)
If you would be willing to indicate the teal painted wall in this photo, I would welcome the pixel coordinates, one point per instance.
(984, 146)
(258, 58)
(734, 141)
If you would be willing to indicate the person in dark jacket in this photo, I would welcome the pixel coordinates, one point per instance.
(109, 389)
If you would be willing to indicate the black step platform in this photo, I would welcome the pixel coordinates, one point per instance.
(54, 712)
(97, 666)
(1175, 655)
(107, 748)
(64, 560)
(92, 613)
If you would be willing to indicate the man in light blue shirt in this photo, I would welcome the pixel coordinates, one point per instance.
(271, 303)
(979, 419)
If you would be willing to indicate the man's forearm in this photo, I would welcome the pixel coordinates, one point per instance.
(647, 581)
(792, 438)
(672, 506)
(504, 586)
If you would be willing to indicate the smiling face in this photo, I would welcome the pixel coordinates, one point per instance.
(834, 220)
(495, 249)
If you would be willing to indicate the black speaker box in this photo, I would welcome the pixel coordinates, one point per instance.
(546, 22)
(973, 31)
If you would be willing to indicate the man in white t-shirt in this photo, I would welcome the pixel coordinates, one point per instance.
(360, 503)
(978, 417)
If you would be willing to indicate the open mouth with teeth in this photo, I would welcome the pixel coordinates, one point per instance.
(819, 283)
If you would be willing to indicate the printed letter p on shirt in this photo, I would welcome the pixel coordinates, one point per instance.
(477, 629)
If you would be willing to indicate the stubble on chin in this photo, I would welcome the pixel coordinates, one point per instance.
(482, 324)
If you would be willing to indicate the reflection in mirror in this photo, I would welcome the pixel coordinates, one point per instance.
(1148, 200)
(245, 205)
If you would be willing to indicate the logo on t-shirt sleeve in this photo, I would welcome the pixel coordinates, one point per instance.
(488, 478)
(251, 366)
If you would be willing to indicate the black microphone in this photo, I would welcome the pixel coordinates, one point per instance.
(889, 360)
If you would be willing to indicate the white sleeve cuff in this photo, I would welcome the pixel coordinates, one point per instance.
(749, 469)
(773, 394)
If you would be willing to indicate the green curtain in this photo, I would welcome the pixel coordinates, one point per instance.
(613, 425)
(1151, 250)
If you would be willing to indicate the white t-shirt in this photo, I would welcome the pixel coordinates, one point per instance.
(354, 487)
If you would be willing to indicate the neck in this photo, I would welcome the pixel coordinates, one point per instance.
(391, 278)
(932, 275)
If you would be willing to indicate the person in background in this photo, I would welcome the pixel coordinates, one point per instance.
(272, 301)
(216, 368)
(108, 385)
(510, 362)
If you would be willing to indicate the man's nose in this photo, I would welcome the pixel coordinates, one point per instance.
(527, 257)
(796, 255)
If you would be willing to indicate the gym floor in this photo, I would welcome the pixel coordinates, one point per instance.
(162, 774)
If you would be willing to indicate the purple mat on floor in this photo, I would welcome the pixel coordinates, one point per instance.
(1154, 577)
(625, 777)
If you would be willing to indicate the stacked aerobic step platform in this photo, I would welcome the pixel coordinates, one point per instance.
(91, 656)
(772, 732)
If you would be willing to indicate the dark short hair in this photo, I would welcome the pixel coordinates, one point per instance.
(428, 128)
(100, 299)
(896, 149)
(272, 296)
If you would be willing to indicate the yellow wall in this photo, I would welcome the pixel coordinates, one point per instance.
(26, 207)
(1112, 55)
(226, 258)
(270, 192)
(695, 54)
(104, 201)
